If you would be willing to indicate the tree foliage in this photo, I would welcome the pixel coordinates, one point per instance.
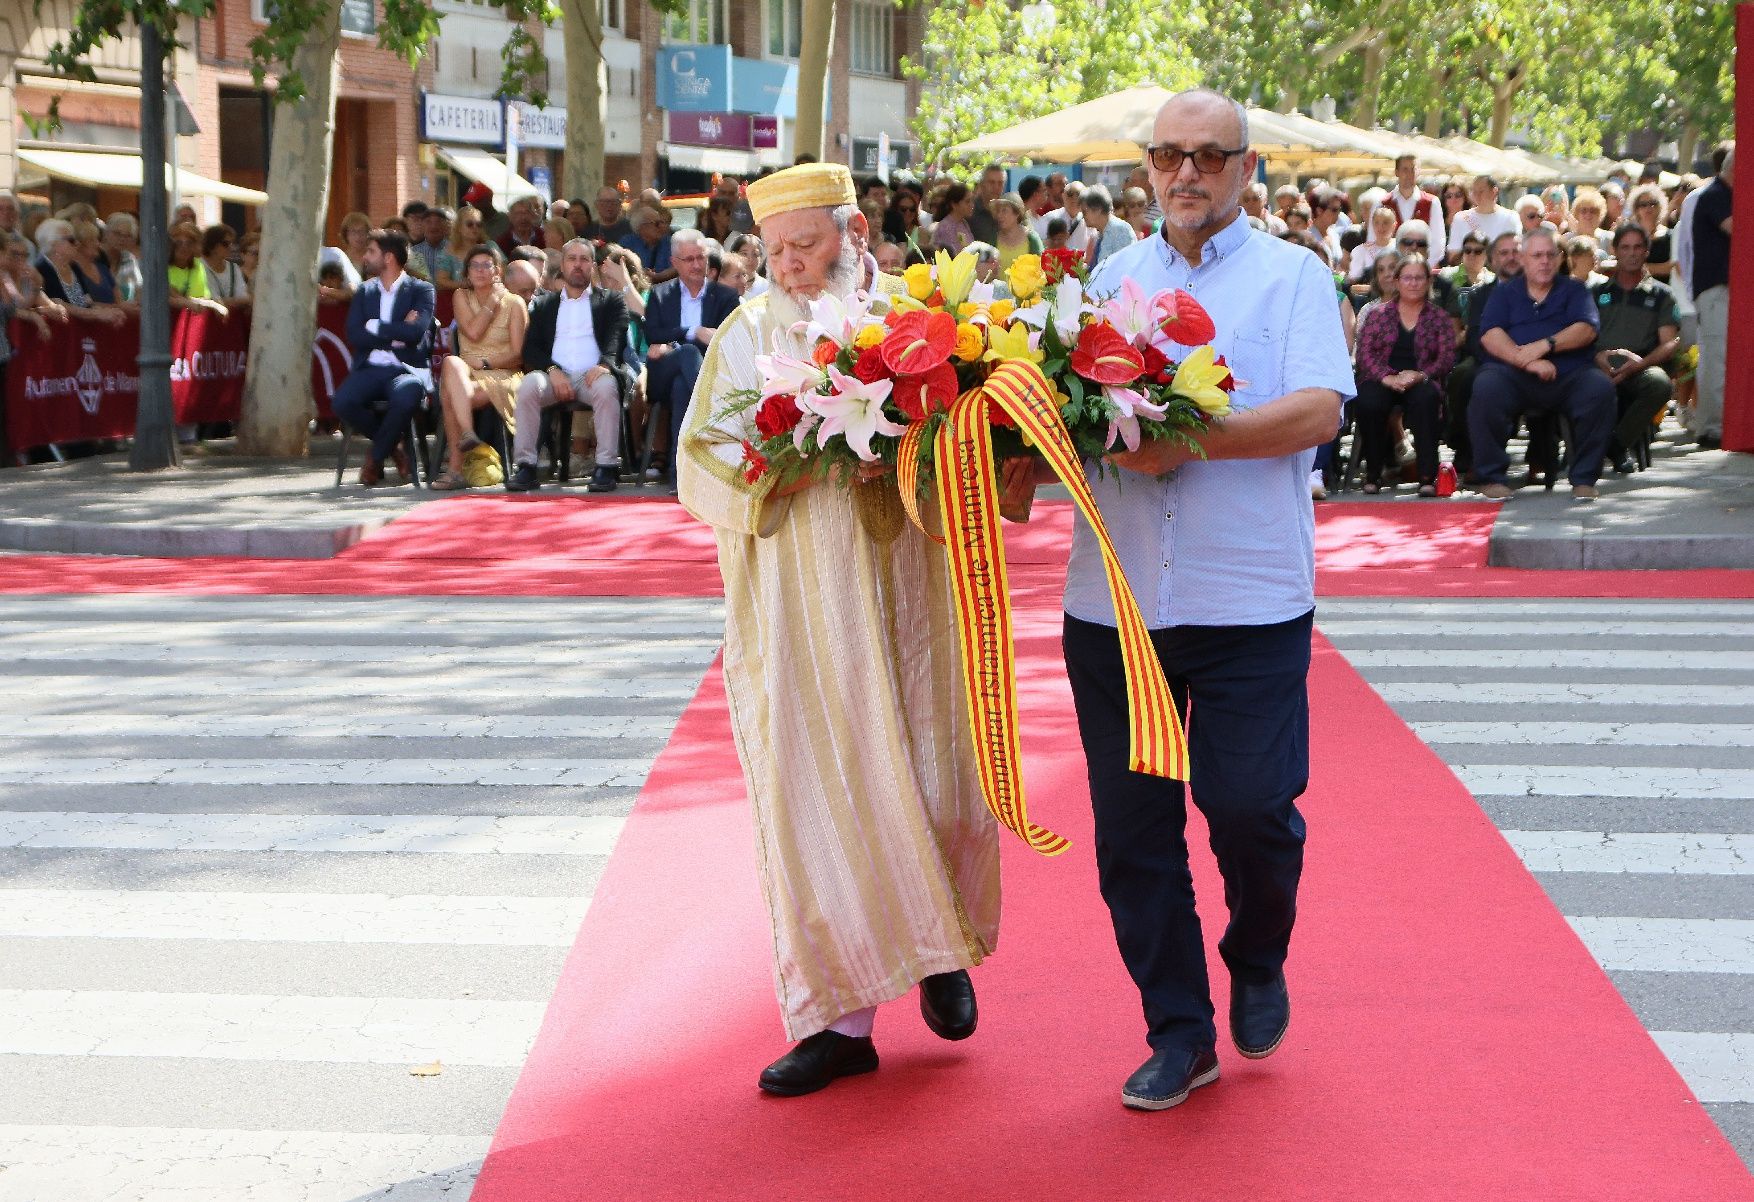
(989, 65)
(1566, 73)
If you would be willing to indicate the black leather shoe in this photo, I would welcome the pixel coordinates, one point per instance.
(524, 479)
(1168, 1077)
(1710, 442)
(816, 1062)
(1259, 1016)
(1624, 466)
(947, 1004)
(602, 480)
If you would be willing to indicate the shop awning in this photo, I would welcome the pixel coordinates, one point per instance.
(709, 159)
(484, 168)
(96, 169)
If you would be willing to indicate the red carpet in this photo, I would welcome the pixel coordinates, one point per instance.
(573, 546)
(1452, 1039)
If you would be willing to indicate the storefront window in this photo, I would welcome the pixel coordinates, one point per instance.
(702, 22)
(873, 38)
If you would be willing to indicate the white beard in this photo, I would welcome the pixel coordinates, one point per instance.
(842, 282)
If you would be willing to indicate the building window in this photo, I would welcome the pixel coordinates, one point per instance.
(873, 37)
(359, 18)
(785, 28)
(613, 14)
(702, 22)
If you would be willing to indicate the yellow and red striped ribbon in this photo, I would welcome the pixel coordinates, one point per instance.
(967, 489)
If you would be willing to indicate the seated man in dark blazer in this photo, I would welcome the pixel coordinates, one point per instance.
(389, 327)
(572, 351)
(681, 319)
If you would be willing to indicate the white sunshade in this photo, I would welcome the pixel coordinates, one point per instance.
(98, 169)
(485, 168)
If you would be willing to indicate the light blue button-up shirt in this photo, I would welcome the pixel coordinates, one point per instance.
(1224, 542)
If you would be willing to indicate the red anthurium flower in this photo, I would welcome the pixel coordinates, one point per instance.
(777, 415)
(919, 342)
(1104, 356)
(1183, 319)
(869, 366)
(930, 392)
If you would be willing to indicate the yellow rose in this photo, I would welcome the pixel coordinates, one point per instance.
(869, 337)
(919, 281)
(1000, 311)
(971, 344)
(967, 309)
(1026, 277)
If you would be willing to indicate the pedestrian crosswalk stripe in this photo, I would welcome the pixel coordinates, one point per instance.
(1396, 630)
(482, 684)
(426, 834)
(364, 726)
(1717, 1067)
(1489, 609)
(623, 657)
(387, 1030)
(1715, 945)
(491, 773)
(1588, 780)
(1591, 734)
(1547, 659)
(290, 917)
(1620, 851)
(45, 1163)
(1487, 694)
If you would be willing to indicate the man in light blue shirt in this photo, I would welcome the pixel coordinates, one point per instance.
(1220, 551)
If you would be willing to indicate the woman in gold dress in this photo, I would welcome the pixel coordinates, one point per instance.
(486, 368)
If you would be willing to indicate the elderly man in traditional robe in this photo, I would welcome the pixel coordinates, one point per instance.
(878, 859)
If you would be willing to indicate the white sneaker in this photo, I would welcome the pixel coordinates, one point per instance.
(1318, 488)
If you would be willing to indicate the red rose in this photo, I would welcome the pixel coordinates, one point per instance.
(1104, 356)
(996, 416)
(931, 392)
(1058, 263)
(869, 365)
(777, 415)
(826, 352)
(1157, 366)
(918, 342)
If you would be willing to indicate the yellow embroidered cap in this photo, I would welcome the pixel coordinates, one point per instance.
(806, 186)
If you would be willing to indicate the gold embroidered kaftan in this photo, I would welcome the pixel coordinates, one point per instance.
(878, 858)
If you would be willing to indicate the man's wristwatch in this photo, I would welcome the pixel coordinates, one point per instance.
(1552, 344)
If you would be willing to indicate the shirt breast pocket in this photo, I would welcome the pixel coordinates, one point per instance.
(1254, 363)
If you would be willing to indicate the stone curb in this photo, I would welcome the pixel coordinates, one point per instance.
(1581, 550)
(182, 542)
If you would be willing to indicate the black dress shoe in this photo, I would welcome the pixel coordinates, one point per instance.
(816, 1062)
(602, 480)
(947, 1004)
(1624, 466)
(1168, 1077)
(524, 479)
(1259, 1016)
(1710, 442)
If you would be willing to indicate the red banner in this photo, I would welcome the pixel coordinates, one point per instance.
(82, 383)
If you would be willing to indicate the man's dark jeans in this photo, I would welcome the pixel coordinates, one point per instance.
(1502, 394)
(1248, 738)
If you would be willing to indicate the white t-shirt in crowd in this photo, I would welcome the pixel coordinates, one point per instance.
(1486, 226)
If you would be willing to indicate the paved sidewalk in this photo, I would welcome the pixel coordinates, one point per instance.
(217, 503)
(1692, 509)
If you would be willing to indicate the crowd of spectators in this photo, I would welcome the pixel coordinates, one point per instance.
(1466, 316)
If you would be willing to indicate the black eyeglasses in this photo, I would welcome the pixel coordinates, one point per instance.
(1208, 160)
(1473, 250)
(1419, 242)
